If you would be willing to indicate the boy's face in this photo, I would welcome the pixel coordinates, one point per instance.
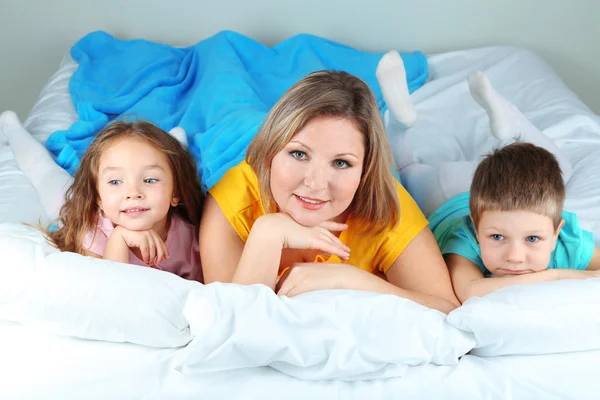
(516, 242)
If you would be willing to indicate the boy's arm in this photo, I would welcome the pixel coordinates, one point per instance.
(594, 264)
(468, 280)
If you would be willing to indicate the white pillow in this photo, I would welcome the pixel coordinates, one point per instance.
(545, 318)
(69, 294)
(19, 201)
(333, 334)
(54, 108)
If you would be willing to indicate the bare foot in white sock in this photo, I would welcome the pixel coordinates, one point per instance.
(48, 178)
(508, 123)
(3, 139)
(392, 79)
(179, 134)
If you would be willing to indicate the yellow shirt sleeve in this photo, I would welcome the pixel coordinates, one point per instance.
(237, 195)
(412, 221)
(377, 254)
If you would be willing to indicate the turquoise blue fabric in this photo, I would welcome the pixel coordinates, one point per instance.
(452, 227)
(219, 90)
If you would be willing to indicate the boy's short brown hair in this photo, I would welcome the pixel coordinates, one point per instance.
(520, 176)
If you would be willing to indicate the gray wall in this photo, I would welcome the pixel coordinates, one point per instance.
(35, 34)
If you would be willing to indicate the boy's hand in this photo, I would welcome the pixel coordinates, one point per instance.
(575, 274)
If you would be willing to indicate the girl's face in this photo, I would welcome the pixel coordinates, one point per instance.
(315, 176)
(135, 186)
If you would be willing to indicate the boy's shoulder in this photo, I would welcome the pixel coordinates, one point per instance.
(571, 230)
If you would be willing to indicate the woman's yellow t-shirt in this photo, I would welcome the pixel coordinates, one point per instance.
(237, 194)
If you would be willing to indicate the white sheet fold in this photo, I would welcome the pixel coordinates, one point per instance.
(333, 334)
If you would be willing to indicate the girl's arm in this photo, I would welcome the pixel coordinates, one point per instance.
(468, 279)
(151, 246)
(116, 248)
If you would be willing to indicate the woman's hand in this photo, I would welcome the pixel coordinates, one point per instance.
(270, 234)
(152, 248)
(296, 236)
(308, 277)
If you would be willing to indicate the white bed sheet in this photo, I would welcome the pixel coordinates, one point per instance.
(332, 340)
(19, 201)
(36, 365)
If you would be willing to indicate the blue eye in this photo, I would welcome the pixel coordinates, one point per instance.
(150, 180)
(342, 164)
(497, 236)
(298, 155)
(532, 239)
(114, 182)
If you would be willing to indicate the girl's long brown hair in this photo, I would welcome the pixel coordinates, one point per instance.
(79, 213)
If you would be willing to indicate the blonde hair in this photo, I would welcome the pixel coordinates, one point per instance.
(79, 213)
(520, 176)
(339, 95)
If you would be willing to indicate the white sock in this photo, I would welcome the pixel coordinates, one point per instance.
(48, 178)
(508, 123)
(392, 79)
(179, 134)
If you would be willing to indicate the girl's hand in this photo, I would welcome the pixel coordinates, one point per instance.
(296, 236)
(308, 277)
(152, 248)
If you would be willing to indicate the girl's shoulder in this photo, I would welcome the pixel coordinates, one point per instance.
(95, 239)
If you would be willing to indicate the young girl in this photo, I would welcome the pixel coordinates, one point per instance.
(135, 198)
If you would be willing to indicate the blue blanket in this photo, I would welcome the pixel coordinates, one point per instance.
(218, 90)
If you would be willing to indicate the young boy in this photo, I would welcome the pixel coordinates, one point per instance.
(510, 229)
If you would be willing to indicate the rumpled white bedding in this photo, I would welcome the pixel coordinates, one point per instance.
(321, 335)
(36, 365)
(86, 322)
(74, 327)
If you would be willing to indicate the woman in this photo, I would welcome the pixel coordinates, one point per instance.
(315, 203)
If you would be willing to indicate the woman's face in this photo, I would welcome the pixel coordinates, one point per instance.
(315, 176)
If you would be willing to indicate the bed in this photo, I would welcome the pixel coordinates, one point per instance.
(74, 327)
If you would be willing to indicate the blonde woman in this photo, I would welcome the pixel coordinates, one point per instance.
(315, 204)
